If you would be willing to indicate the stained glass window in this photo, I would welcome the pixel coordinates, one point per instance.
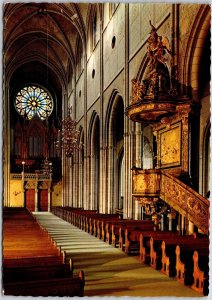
(32, 100)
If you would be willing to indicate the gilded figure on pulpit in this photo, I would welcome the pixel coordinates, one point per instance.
(157, 80)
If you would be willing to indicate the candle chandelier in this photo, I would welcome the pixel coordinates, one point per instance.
(68, 136)
(47, 167)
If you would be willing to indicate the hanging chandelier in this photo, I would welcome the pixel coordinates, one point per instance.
(46, 167)
(68, 136)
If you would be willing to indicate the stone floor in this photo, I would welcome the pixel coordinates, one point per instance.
(109, 271)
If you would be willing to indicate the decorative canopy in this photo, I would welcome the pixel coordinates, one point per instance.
(33, 100)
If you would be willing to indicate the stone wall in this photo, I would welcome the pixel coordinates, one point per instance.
(16, 193)
(124, 58)
(57, 194)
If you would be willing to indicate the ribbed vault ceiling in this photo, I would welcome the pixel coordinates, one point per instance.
(44, 32)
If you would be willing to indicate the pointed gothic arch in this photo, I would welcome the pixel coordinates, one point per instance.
(114, 130)
(194, 50)
(94, 161)
(81, 168)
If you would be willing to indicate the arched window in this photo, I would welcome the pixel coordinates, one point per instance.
(33, 100)
(94, 28)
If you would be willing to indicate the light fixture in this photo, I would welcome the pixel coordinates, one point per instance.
(23, 164)
(68, 136)
(47, 167)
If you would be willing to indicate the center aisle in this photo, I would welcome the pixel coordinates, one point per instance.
(109, 271)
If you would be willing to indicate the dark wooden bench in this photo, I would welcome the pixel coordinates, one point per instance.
(60, 287)
(132, 235)
(99, 223)
(32, 261)
(117, 229)
(168, 247)
(84, 218)
(32, 264)
(145, 243)
(122, 235)
(201, 271)
(184, 260)
(102, 223)
(155, 247)
(31, 272)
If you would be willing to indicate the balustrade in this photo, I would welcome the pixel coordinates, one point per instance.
(161, 184)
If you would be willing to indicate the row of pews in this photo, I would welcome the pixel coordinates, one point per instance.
(185, 258)
(32, 263)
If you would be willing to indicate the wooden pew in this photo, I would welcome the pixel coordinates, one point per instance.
(184, 259)
(122, 235)
(117, 229)
(59, 287)
(132, 235)
(33, 261)
(84, 218)
(145, 243)
(102, 229)
(201, 271)
(155, 247)
(169, 252)
(31, 272)
(33, 265)
(97, 225)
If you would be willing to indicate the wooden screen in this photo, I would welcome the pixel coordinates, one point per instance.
(43, 200)
(30, 199)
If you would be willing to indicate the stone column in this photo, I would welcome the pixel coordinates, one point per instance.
(171, 216)
(6, 144)
(23, 186)
(138, 163)
(110, 179)
(65, 174)
(138, 147)
(49, 199)
(142, 213)
(162, 223)
(137, 210)
(190, 227)
(75, 191)
(104, 179)
(182, 224)
(70, 178)
(170, 221)
(102, 194)
(126, 172)
(36, 198)
(92, 181)
(80, 179)
(86, 184)
(86, 159)
(131, 156)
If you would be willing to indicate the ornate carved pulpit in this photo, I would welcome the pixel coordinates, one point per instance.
(155, 101)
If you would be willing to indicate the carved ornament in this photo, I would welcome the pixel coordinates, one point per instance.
(155, 97)
(31, 185)
(186, 201)
(169, 147)
(146, 182)
(44, 185)
(174, 192)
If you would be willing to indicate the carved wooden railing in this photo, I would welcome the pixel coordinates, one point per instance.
(146, 182)
(182, 198)
(30, 176)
